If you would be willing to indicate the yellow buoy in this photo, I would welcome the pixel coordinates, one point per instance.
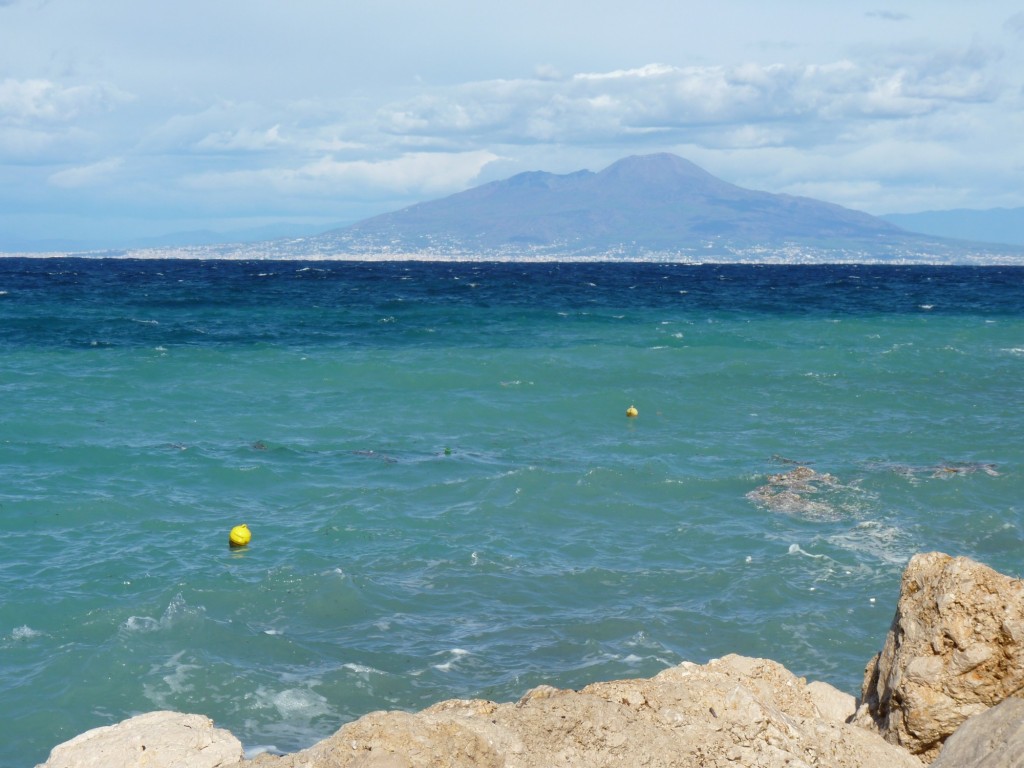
(240, 535)
(632, 412)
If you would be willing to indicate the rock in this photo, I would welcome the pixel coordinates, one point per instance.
(993, 739)
(154, 740)
(832, 704)
(788, 492)
(733, 711)
(955, 648)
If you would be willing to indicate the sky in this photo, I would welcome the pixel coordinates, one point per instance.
(123, 119)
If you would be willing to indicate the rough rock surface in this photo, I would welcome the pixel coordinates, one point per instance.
(733, 711)
(955, 648)
(154, 740)
(993, 739)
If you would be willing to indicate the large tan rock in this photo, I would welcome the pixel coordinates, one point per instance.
(955, 648)
(993, 739)
(153, 740)
(731, 712)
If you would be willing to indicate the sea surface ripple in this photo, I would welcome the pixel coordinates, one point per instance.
(446, 496)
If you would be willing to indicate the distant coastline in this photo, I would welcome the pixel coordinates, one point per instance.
(793, 257)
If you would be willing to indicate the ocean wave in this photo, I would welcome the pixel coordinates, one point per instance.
(177, 610)
(881, 542)
(25, 632)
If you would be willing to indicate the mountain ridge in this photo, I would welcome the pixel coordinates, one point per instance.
(658, 202)
(657, 207)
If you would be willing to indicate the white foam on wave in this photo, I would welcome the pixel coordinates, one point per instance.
(796, 549)
(176, 611)
(176, 678)
(456, 653)
(885, 543)
(294, 703)
(25, 632)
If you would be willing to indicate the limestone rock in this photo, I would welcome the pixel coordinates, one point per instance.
(733, 711)
(993, 739)
(955, 648)
(154, 740)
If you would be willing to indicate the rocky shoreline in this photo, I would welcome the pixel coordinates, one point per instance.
(947, 689)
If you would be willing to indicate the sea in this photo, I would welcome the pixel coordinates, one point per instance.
(445, 493)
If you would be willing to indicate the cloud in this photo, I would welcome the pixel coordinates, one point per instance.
(242, 140)
(887, 15)
(411, 173)
(23, 101)
(709, 104)
(94, 174)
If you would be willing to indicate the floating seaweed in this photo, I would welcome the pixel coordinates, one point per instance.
(791, 492)
(942, 471)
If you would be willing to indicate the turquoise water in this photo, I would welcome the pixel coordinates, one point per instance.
(445, 494)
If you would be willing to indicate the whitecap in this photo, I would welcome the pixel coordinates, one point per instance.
(796, 549)
(25, 632)
(457, 653)
(885, 543)
(176, 610)
(177, 681)
(300, 702)
(140, 624)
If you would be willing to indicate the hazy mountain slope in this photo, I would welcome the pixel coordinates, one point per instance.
(657, 202)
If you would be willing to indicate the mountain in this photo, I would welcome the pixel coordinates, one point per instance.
(652, 207)
(994, 225)
(655, 204)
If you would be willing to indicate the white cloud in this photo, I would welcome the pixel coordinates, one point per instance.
(411, 173)
(91, 175)
(650, 70)
(38, 99)
(691, 102)
(242, 140)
